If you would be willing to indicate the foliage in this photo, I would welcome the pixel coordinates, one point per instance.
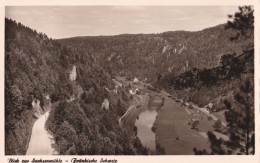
(218, 125)
(159, 150)
(200, 152)
(240, 115)
(195, 124)
(243, 22)
(153, 56)
(37, 66)
(230, 67)
(216, 144)
(32, 71)
(200, 65)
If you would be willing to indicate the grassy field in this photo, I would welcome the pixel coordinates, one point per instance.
(221, 115)
(174, 133)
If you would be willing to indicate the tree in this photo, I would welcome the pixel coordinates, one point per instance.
(252, 143)
(207, 76)
(216, 144)
(245, 99)
(195, 124)
(159, 149)
(159, 76)
(139, 147)
(218, 125)
(234, 141)
(240, 115)
(227, 59)
(242, 22)
(120, 108)
(200, 152)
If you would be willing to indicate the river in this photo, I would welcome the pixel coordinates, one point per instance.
(144, 128)
(145, 121)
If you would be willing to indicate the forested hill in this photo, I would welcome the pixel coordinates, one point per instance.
(38, 68)
(147, 55)
(73, 78)
(32, 70)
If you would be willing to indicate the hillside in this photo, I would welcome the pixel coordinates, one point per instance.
(77, 80)
(150, 55)
(38, 69)
(209, 68)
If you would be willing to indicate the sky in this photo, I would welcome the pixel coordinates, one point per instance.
(71, 21)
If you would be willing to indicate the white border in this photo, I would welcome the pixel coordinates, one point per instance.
(153, 159)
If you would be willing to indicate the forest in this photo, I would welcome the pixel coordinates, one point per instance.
(37, 66)
(214, 65)
(229, 86)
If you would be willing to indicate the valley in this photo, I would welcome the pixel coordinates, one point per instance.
(164, 119)
(169, 93)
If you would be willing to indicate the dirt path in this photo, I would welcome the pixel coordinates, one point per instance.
(41, 141)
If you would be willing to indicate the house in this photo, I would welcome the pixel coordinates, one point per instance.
(209, 106)
(136, 80)
(131, 91)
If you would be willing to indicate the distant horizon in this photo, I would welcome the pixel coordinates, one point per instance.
(71, 22)
(116, 34)
(138, 33)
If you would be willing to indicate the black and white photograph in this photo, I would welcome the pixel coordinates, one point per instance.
(129, 80)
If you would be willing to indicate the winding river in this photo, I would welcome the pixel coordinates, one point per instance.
(145, 121)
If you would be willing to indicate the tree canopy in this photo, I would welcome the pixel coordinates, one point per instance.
(242, 21)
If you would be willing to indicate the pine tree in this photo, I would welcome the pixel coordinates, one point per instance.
(242, 22)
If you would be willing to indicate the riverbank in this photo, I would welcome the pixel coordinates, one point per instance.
(145, 121)
(128, 120)
(172, 123)
(173, 131)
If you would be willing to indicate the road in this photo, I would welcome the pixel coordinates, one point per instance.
(138, 100)
(41, 141)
